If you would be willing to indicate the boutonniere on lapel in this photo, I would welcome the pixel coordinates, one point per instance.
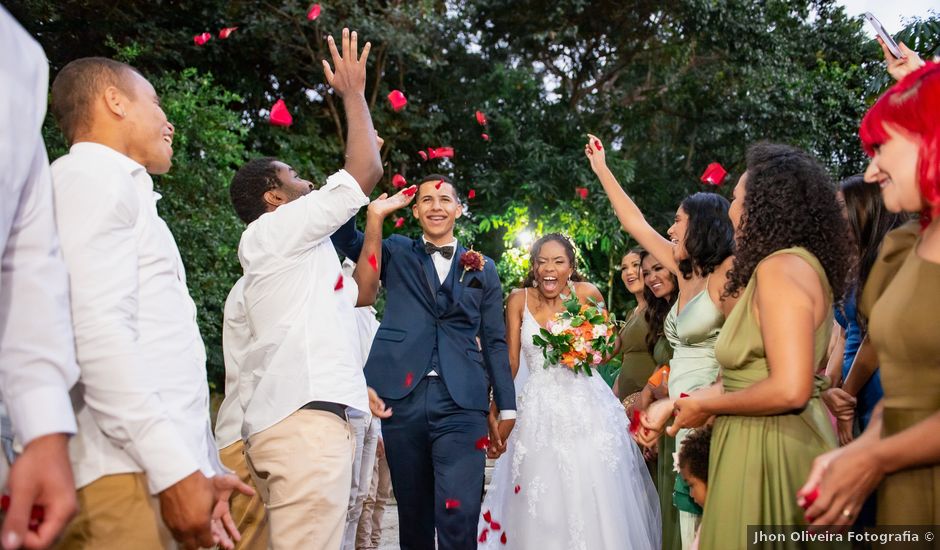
(471, 260)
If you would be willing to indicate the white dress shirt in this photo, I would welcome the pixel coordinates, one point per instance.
(144, 405)
(37, 353)
(304, 349)
(236, 339)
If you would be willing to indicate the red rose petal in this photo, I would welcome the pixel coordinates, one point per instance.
(597, 144)
(582, 192)
(444, 152)
(224, 33)
(809, 499)
(397, 99)
(494, 525)
(410, 191)
(201, 39)
(485, 136)
(635, 421)
(517, 489)
(451, 503)
(502, 539)
(438, 184)
(398, 181)
(279, 114)
(472, 194)
(483, 536)
(339, 283)
(481, 118)
(482, 444)
(683, 394)
(374, 262)
(36, 515)
(409, 378)
(423, 155)
(313, 12)
(399, 223)
(487, 517)
(714, 174)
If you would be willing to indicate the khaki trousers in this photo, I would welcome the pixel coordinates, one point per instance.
(117, 512)
(369, 535)
(302, 467)
(247, 511)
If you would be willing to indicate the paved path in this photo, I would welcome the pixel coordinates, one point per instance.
(390, 528)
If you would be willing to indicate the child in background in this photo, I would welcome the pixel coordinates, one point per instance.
(692, 464)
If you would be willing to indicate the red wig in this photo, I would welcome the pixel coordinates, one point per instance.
(913, 106)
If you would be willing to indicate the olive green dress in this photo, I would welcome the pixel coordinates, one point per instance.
(757, 463)
(902, 300)
(637, 364)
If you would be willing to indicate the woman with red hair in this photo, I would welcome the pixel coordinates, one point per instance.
(899, 453)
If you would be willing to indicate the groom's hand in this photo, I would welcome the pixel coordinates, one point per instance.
(349, 76)
(503, 430)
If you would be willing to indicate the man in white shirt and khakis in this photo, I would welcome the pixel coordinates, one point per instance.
(300, 373)
(143, 400)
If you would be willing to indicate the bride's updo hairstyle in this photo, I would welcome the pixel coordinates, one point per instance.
(537, 247)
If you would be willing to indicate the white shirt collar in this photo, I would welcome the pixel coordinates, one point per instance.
(86, 147)
(452, 243)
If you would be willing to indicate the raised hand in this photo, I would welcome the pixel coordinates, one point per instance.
(384, 205)
(349, 77)
(41, 476)
(594, 151)
(899, 67)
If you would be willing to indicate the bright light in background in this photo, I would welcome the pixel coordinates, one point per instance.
(525, 239)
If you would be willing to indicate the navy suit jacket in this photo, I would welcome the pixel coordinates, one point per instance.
(430, 325)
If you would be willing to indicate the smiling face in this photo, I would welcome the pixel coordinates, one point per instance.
(677, 233)
(657, 278)
(437, 210)
(894, 168)
(149, 133)
(631, 273)
(552, 268)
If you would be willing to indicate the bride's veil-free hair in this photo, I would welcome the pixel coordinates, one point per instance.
(569, 251)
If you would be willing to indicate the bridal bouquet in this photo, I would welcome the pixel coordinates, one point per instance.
(578, 337)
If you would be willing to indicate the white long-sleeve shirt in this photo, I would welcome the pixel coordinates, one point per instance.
(236, 340)
(303, 348)
(144, 404)
(37, 358)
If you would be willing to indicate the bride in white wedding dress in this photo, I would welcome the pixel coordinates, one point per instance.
(571, 478)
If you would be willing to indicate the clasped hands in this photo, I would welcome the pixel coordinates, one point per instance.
(688, 413)
(499, 431)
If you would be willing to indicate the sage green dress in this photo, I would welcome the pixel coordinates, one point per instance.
(902, 298)
(637, 364)
(757, 463)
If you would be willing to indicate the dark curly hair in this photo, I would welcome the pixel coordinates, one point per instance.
(537, 247)
(709, 238)
(693, 453)
(657, 308)
(790, 201)
(249, 185)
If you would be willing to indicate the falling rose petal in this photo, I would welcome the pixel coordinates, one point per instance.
(485, 136)
(444, 152)
(495, 526)
(472, 194)
(502, 539)
(339, 283)
(224, 33)
(279, 114)
(313, 12)
(582, 192)
(201, 39)
(714, 174)
(374, 262)
(399, 223)
(423, 155)
(487, 517)
(438, 184)
(398, 181)
(432, 153)
(409, 378)
(481, 118)
(481, 445)
(451, 504)
(483, 535)
(410, 191)
(517, 489)
(397, 99)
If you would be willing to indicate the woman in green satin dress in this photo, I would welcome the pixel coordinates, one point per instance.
(698, 252)
(770, 421)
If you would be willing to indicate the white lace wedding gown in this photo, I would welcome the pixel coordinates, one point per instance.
(572, 478)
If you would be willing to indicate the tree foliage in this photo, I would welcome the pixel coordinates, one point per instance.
(669, 86)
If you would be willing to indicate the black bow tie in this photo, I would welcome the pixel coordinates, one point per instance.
(447, 252)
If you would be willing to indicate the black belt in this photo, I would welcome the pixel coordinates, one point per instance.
(335, 408)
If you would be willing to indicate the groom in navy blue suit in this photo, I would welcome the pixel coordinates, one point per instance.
(426, 364)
